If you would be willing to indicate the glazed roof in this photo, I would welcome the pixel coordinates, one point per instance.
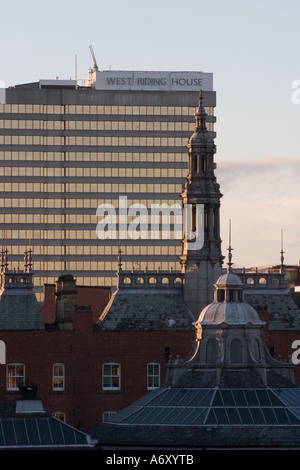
(207, 417)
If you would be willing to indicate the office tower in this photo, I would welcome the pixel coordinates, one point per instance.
(67, 148)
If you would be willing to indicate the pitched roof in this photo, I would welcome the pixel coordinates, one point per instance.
(146, 309)
(283, 312)
(40, 432)
(37, 430)
(19, 308)
(206, 417)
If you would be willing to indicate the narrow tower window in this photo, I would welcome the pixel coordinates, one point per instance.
(203, 163)
(196, 170)
(194, 217)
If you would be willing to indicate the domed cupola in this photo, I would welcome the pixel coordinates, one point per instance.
(229, 330)
(228, 306)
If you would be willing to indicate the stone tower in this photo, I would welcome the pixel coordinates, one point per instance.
(201, 258)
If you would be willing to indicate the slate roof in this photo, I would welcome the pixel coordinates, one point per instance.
(146, 309)
(19, 308)
(283, 312)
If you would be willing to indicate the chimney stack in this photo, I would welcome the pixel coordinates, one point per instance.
(65, 294)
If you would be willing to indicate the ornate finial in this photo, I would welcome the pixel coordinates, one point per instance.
(120, 260)
(230, 249)
(200, 114)
(281, 252)
(28, 261)
(4, 262)
(4, 251)
(200, 98)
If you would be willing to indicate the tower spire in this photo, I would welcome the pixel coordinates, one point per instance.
(4, 261)
(28, 261)
(120, 260)
(281, 252)
(200, 115)
(201, 258)
(230, 249)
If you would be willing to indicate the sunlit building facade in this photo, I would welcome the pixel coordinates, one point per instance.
(66, 149)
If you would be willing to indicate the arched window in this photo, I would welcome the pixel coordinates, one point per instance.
(212, 349)
(255, 349)
(236, 351)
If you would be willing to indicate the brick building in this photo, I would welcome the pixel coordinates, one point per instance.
(230, 392)
(83, 371)
(87, 369)
(92, 353)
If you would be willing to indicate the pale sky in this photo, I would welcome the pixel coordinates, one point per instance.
(253, 50)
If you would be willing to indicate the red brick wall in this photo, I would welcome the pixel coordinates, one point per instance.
(96, 297)
(83, 351)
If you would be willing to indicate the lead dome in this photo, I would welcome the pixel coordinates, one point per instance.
(228, 306)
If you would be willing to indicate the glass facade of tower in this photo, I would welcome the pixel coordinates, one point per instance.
(65, 150)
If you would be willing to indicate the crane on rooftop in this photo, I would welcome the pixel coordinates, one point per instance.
(94, 59)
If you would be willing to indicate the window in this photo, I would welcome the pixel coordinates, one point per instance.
(2, 352)
(108, 414)
(220, 295)
(255, 349)
(236, 351)
(212, 349)
(153, 375)
(59, 415)
(194, 218)
(58, 379)
(15, 376)
(111, 377)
